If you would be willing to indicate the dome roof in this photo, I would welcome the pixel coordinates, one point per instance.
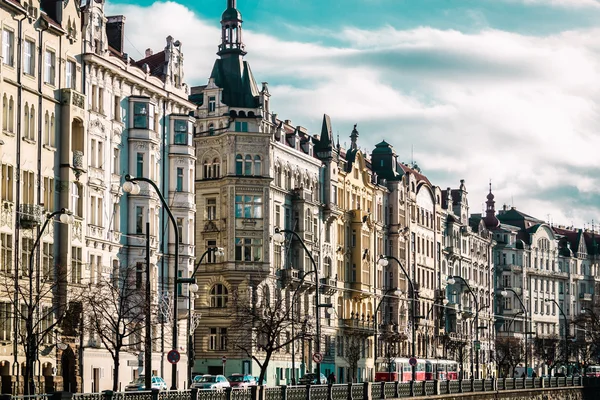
(231, 14)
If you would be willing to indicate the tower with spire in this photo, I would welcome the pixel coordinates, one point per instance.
(491, 222)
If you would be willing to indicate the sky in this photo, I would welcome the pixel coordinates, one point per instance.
(500, 91)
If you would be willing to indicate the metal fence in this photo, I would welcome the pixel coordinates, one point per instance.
(356, 391)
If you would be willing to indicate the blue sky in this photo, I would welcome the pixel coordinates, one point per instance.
(505, 90)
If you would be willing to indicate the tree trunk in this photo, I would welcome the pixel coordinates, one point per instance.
(263, 369)
(116, 360)
(28, 383)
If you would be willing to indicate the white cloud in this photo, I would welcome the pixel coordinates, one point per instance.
(521, 110)
(563, 3)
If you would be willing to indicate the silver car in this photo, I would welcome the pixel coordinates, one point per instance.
(210, 382)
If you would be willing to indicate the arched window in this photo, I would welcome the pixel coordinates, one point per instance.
(308, 221)
(47, 129)
(219, 295)
(216, 168)
(257, 165)
(211, 129)
(11, 115)
(248, 165)
(5, 113)
(26, 121)
(52, 133)
(206, 169)
(239, 165)
(32, 123)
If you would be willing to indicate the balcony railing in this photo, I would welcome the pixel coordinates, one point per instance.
(30, 215)
(585, 296)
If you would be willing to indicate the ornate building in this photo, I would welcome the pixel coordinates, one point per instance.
(138, 124)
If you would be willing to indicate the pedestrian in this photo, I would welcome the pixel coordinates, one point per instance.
(533, 374)
(331, 378)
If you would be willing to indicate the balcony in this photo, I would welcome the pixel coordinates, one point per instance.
(359, 325)
(73, 98)
(585, 296)
(30, 215)
(78, 160)
(293, 277)
(328, 286)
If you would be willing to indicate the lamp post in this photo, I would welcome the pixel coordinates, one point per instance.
(444, 302)
(396, 292)
(504, 293)
(32, 340)
(452, 280)
(384, 261)
(278, 237)
(130, 186)
(566, 331)
(193, 288)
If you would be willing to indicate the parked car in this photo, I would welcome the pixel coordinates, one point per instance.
(210, 382)
(241, 380)
(140, 384)
(311, 379)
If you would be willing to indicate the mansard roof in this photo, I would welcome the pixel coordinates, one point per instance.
(156, 64)
(235, 77)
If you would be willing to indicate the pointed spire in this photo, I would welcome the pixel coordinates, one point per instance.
(231, 31)
(490, 211)
(326, 132)
(231, 4)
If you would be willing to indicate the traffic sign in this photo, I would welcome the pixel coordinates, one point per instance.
(477, 344)
(223, 359)
(317, 357)
(173, 356)
(412, 361)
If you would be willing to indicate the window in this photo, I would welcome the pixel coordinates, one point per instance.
(50, 67)
(257, 165)
(77, 199)
(212, 104)
(140, 164)
(241, 126)
(179, 187)
(217, 339)
(96, 211)
(76, 264)
(116, 161)
(248, 165)
(28, 187)
(71, 76)
(247, 249)
(47, 261)
(181, 131)
(6, 320)
(48, 193)
(7, 182)
(139, 220)
(219, 295)
(180, 229)
(29, 57)
(211, 209)
(6, 253)
(8, 47)
(4, 113)
(26, 247)
(211, 257)
(239, 165)
(248, 206)
(117, 108)
(11, 115)
(143, 115)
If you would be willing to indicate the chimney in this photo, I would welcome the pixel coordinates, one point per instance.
(149, 52)
(115, 32)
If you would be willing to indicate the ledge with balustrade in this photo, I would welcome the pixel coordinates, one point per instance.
(514, 388)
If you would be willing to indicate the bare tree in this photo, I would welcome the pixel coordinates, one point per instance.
(115, 307)
(509, 353)
(353, 354)
(38, 309)
(264, 326)
(547, 349)
(456, 347)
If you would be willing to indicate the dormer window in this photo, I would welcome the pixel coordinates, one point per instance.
(212, 104)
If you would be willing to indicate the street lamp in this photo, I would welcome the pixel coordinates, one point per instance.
(278, 237)
(566, 330)
(504, 293)
(384, 261)
(66, 217)
(192, 289)
(130, 186)
(391, 291)
(451, 281)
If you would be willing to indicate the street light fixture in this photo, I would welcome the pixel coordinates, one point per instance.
(384, 262)
(566, 329)
(451, 280)
(504, 292)
(278, 236)
(130, 186)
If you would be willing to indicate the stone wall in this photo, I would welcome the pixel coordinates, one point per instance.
(534, 394)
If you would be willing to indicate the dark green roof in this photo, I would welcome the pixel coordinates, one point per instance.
(383, 148)
(233, 75)
(231, 14)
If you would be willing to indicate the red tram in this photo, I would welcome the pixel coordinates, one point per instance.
(400, 370)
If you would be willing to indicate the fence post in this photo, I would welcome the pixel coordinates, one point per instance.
(307, 392)
(227, 393)
(329, 392)
(436, 387)
(62, 396)
(367, 394)
(253, 392)
(284, 392)
(154, 394)
(107, 394)
(396, 387)
(460, 386)
(350, 390)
